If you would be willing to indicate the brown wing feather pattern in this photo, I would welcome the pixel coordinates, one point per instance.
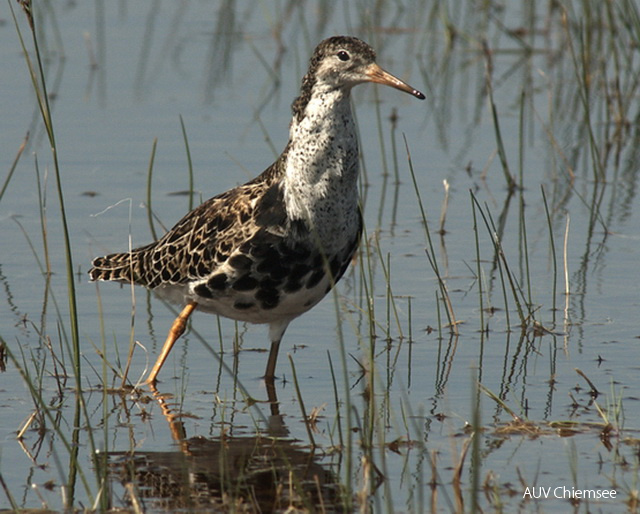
(193, 249)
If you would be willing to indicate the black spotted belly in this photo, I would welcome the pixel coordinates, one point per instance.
(267, 280)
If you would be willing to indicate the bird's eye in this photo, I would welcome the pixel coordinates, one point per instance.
(343, 56)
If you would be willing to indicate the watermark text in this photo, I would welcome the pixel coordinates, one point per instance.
(562, 492)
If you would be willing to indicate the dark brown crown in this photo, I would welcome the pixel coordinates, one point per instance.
(324, 48)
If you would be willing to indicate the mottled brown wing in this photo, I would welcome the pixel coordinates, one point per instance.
(192, 249)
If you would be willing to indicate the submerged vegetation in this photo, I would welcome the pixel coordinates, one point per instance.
(463, 361)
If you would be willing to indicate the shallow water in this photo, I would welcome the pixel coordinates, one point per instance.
(231, 72)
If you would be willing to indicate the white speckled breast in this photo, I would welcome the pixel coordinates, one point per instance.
(321, 182)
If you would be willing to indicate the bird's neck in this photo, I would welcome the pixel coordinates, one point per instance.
(321, 168)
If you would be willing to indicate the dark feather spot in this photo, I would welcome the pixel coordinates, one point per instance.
(203, 291)
(297, 253)
(245, 283)
(299, 271)
(203, 269)
(269, 283)
(292, 286)
(278, 272)
(315, 277)
(243, 306)
(224, 223)
(270, 259)
(218, 282)
(335, 266)
(271, 256)
(173, 236)
(261, 244)
(270, 209)
(269, 298)
(240, 262)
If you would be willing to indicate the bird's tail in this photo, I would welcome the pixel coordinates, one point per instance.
(120, 267)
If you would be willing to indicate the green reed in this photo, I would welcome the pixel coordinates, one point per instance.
(345, 428)
(479, 273)
(603, 110)
(14, 165)
(38, 80)
(453, 325)
(150, 214)
(507, 279)
(39, 83)
(190, 190)
(502, 154)
(554, 258)
(303, 410)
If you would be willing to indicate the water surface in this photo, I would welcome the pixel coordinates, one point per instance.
(121, 75)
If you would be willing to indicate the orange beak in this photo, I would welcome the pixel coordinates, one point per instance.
(376, 74)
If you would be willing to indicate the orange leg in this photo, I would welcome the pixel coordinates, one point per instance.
(270, 372)
(176, 426)
(177, 329)
(269, 378)
(276, 331)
